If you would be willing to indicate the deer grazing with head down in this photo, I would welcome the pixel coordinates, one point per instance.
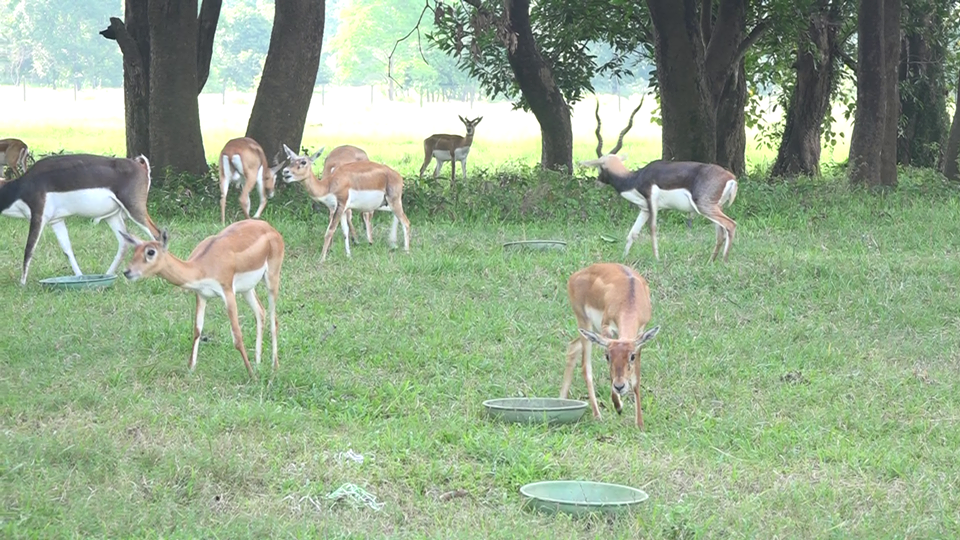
(98, 187)
(244, 164)
(360, 185)
(221, 266)
(452, 148)
(14, 154)
(612, 305)
(687, 186)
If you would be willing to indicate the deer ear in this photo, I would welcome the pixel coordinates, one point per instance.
(462, 119)
(595, 338)
(623, 158)
(647, 336)
(290, 153)
(477, 121)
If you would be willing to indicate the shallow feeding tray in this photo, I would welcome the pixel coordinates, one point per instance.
(535, 244)
(536, 410)
(580, 497)
(86, 281)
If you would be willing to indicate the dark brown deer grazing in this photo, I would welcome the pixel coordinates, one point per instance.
(452, 148)
(687, 186)
(98, 187)
(612, 305)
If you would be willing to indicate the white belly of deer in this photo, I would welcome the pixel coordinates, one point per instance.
(18, 209)
(461, 153)
(94, 203)
(242, 282)
(442, 155)
(366, 200)
(674, 199)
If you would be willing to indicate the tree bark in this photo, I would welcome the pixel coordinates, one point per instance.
(289, 75)
(866, 142)
(891, 93)
(921, 75)
(206, 29)
(540, 90)
(133, 37)
(809, 103)
(689, 117)
(951, 156)
(732, 123)
(175, 139)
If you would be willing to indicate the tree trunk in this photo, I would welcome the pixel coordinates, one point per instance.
(289, 75)
(891, 94)
(175, 139)
(688, 115)
(206, 29)
(921, 75)
(866, 142)
(133, 37)
(732, 123)
(799, 151)
(951, 156)
(540, 90)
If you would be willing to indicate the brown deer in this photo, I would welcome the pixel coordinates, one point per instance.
(452, 148)
(244, 164)
(612, 305)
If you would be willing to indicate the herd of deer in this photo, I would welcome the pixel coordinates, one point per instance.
(611, 301)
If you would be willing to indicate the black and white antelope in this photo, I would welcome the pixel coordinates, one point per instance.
(360, 185)
(221, 266)
(612, 305)
(687, 186)
(452, 148)
(98, 187)
(244, 164)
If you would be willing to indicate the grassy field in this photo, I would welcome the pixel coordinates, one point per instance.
(806, 389)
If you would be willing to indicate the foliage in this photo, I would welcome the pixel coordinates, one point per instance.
(56, 43)
(566, 32)
(243, 37)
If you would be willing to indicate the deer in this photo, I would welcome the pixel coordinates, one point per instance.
(244, 164)
(688, 186)
(452, 148)
(58, 187)
(360, 185)
(339, 156)
(612, 305)
(14, 154)
(231, 262)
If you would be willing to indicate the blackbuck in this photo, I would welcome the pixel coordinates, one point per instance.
(339, 156)
(687, 186)
(612, 305)
(221, 266)
(98, 187)
(14, 154)
(244, 164)
(452, 148)
(361, 185)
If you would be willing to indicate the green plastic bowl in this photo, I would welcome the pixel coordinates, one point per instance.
(536, 410)
(580, 497)
(86, 281)
(535, 244)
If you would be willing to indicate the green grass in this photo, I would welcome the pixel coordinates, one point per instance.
(806, 389)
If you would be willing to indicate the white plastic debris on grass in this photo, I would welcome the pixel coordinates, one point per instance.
(356, 496)
(349, 455)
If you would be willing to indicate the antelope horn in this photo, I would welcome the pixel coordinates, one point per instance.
(626, 129)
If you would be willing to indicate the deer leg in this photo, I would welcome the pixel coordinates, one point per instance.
(197, 329)
(635, 230)
(245, 202)
(653, 232)
(636, 394)
(426, 161)
(721, 236)
(60, 229)
(573, 352)
(36, 227)
(396, 206)
(586, 347)
(728, 227)
(353, 232)
(436, 171)
(259, 314)
(261, 192)
(224, 187)
(345, 227)
(272, 280)
(617, 403)
(115, 222)
(231, 300)
(367, 216)
(331, 229)
(463, 168)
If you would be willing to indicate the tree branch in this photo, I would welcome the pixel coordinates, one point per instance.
(706, 20)
(128, 46)
(750, 40)
(206, 30)
(416, 28)
(848, 61)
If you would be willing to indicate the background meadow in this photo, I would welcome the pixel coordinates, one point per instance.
(806, 389)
